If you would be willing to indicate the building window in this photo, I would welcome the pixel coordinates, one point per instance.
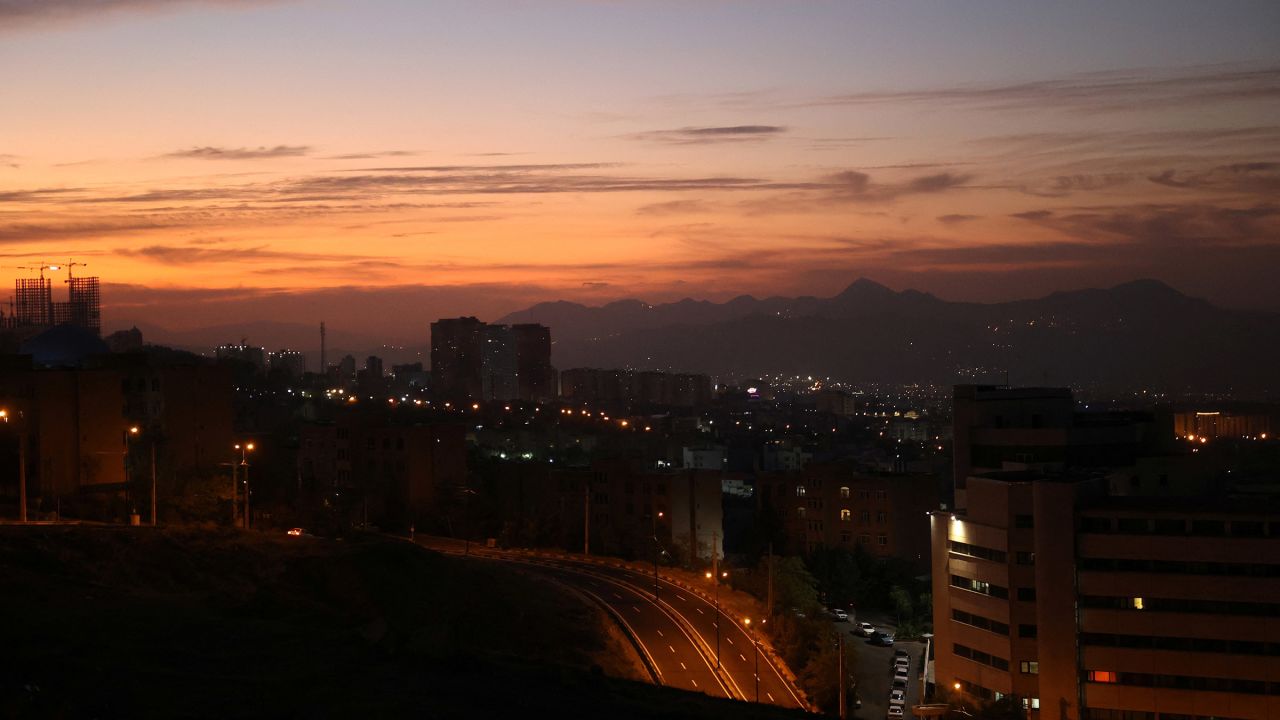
(800, 512)
(1030, 667)
(846, 515)
(1136, 603)
(1023, 521)
(882, 540)
(799, 491)
(1030, 703)
(1025, 558)
(1027, 594)
(881, 517)
(844, 493)
(1027, 631)
(1102, 676)
(866, 516)
(864, 539)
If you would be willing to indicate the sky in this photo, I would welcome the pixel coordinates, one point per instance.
(383, 163)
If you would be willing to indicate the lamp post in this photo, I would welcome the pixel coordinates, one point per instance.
(22, 463)
(245, 449)
(129, 434)
(755, 641)
(657, 547)
(715, 576)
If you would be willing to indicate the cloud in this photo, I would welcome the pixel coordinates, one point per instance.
(956, 219)
(38, 195)
(710, 135)
(191, 255)
(9, 161)
(675, 207)
(1134, 89)
(372, 155)
(1162, 227)
(221, 153)
(20, 14)
(1262, 178)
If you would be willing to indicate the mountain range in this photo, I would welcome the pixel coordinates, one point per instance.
(1138, 335)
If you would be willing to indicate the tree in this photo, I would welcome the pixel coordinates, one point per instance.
(900, 599)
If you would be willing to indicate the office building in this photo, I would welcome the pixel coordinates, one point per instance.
(536, 378)
(1092, 607)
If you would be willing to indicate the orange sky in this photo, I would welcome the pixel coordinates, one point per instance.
(209, 158)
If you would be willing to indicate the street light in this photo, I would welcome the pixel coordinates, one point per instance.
(130, 433)
(756, 642)
(715, 577)
(245, 449)
(22, 463)
(657, 546)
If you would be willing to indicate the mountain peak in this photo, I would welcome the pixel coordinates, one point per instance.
(865, 286)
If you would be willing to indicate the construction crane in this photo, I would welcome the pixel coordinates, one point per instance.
(41, 268)
(68, 266)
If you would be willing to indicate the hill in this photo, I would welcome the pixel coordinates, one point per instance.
(111, 622)
(1142, 334)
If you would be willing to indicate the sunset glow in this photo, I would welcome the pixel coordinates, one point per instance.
(387, 163)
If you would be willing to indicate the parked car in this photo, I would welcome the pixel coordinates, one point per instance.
(900, 653)
(902, 660)
(901, 675)
(900, 682)
(866, 629)
(839, 615)
(297, 532)
(897, 697)
(895, 711)
(882, 639)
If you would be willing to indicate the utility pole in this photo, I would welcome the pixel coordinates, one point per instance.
(22, 475)
(235, 494)
(246, 495)
(844, 704)
(586, 516)
(715, 577)
(769, 564)
(153, 482)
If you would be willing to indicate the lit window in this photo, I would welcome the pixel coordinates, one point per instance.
(1031, 667)
(844, 492)
(800, 511)
(846, 515)
(1137, 603)
(799, 491)
(1102, 676)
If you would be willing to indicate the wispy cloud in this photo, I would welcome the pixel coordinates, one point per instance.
(675, 207)
(1092, 92)
(242, 153)
(956, 219)
(710, 135)
(372, 155)
(9, 161)
(22, 14)
(1261, 178)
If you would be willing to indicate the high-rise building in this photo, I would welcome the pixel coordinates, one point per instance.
(243, 352)
(498, 365)
(290, 362)
(535, 375)
(457, 359)
(1002, 428)
(1092, 607)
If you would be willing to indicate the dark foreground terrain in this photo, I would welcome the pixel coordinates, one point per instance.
(100, 622)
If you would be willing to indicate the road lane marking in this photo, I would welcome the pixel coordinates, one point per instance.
(633, 607)
(730, 640)
(695, 682)
(673, 650)
(617, 596)
(700, 611)
(744, 657)
(660, 633)
(770, 696)
(680, 597)
(682, 667)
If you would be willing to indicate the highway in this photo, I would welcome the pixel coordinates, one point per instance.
(677, 631)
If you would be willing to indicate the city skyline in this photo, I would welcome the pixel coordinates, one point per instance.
(306, 159)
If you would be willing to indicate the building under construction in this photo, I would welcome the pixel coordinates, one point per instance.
(33, 309)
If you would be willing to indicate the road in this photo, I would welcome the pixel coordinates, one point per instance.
(874, 668)
(677, 630)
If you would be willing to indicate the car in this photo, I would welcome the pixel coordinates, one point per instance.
(865, 629)
(901, 675)
(882, 639)
(840, 615)
(897, 697)
(901, 653)
(900, 682)
(895, 711)
(904, 667)
(297, 532)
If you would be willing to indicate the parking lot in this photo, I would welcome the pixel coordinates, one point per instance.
(874, 668)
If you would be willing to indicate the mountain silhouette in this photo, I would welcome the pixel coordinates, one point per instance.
(1138, 335)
